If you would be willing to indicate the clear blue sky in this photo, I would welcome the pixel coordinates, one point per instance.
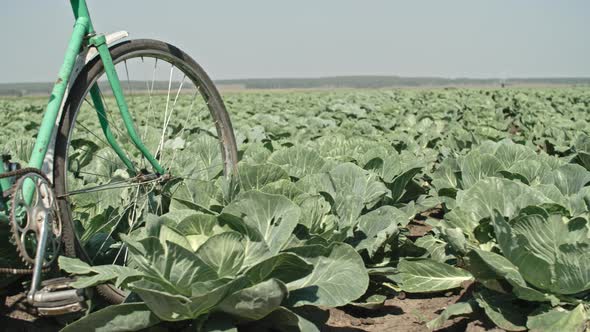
(311, 38)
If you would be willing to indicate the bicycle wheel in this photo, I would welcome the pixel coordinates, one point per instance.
(181, 119)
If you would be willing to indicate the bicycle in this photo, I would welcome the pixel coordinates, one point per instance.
(88, 180)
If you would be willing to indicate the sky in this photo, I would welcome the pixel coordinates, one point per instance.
(318, 38)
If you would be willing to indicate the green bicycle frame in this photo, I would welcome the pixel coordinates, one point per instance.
(83, 32)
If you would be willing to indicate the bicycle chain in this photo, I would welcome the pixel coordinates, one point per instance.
(17, 173)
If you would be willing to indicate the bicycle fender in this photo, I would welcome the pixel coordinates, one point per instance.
(84, 57)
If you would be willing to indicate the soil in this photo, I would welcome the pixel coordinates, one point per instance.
(418, 226)
(408, 314)
(14, 317)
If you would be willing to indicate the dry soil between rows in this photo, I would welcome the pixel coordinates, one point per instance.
(403, 313)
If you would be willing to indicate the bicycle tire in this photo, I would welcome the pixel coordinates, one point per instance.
(80, 89)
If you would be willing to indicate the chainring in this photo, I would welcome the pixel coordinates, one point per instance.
(27, 215)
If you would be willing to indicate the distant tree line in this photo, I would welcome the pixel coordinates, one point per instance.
(373, 82)
(353, 82)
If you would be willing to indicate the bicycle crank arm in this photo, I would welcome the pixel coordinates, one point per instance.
(39, 257)
(56, 297)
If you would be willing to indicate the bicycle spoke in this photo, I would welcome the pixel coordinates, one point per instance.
(105, 117)
(129, 89)
(97, 156)
(93, 134)
(133, 219)
(102, 197)
(167, 120)
(103, 226)
(165, 115)
(132, 98)
(151, 90)
(120, 217)
(184, 125)
(198, 171)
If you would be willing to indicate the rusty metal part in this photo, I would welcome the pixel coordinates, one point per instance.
(28, 215)
(10, 270)
(56, 297)
(61, 310)
(50, 205)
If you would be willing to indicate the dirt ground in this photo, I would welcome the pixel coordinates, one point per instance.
(403, 313)
(13, 317)
(409, 314)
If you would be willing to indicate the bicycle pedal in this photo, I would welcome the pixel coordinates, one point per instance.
(56, 297)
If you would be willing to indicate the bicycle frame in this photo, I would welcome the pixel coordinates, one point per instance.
(83, 35)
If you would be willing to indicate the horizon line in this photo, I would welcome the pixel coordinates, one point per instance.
(368, 76)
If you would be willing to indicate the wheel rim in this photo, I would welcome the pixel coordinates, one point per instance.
(175, 124)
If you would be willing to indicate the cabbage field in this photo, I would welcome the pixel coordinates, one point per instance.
(360, 200)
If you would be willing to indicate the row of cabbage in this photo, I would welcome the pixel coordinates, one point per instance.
(328, 184)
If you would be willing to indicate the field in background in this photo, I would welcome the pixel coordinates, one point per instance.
(433, 188)
(344, 82)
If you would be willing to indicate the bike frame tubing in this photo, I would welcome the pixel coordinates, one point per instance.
(82, 29)
(99, 41)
